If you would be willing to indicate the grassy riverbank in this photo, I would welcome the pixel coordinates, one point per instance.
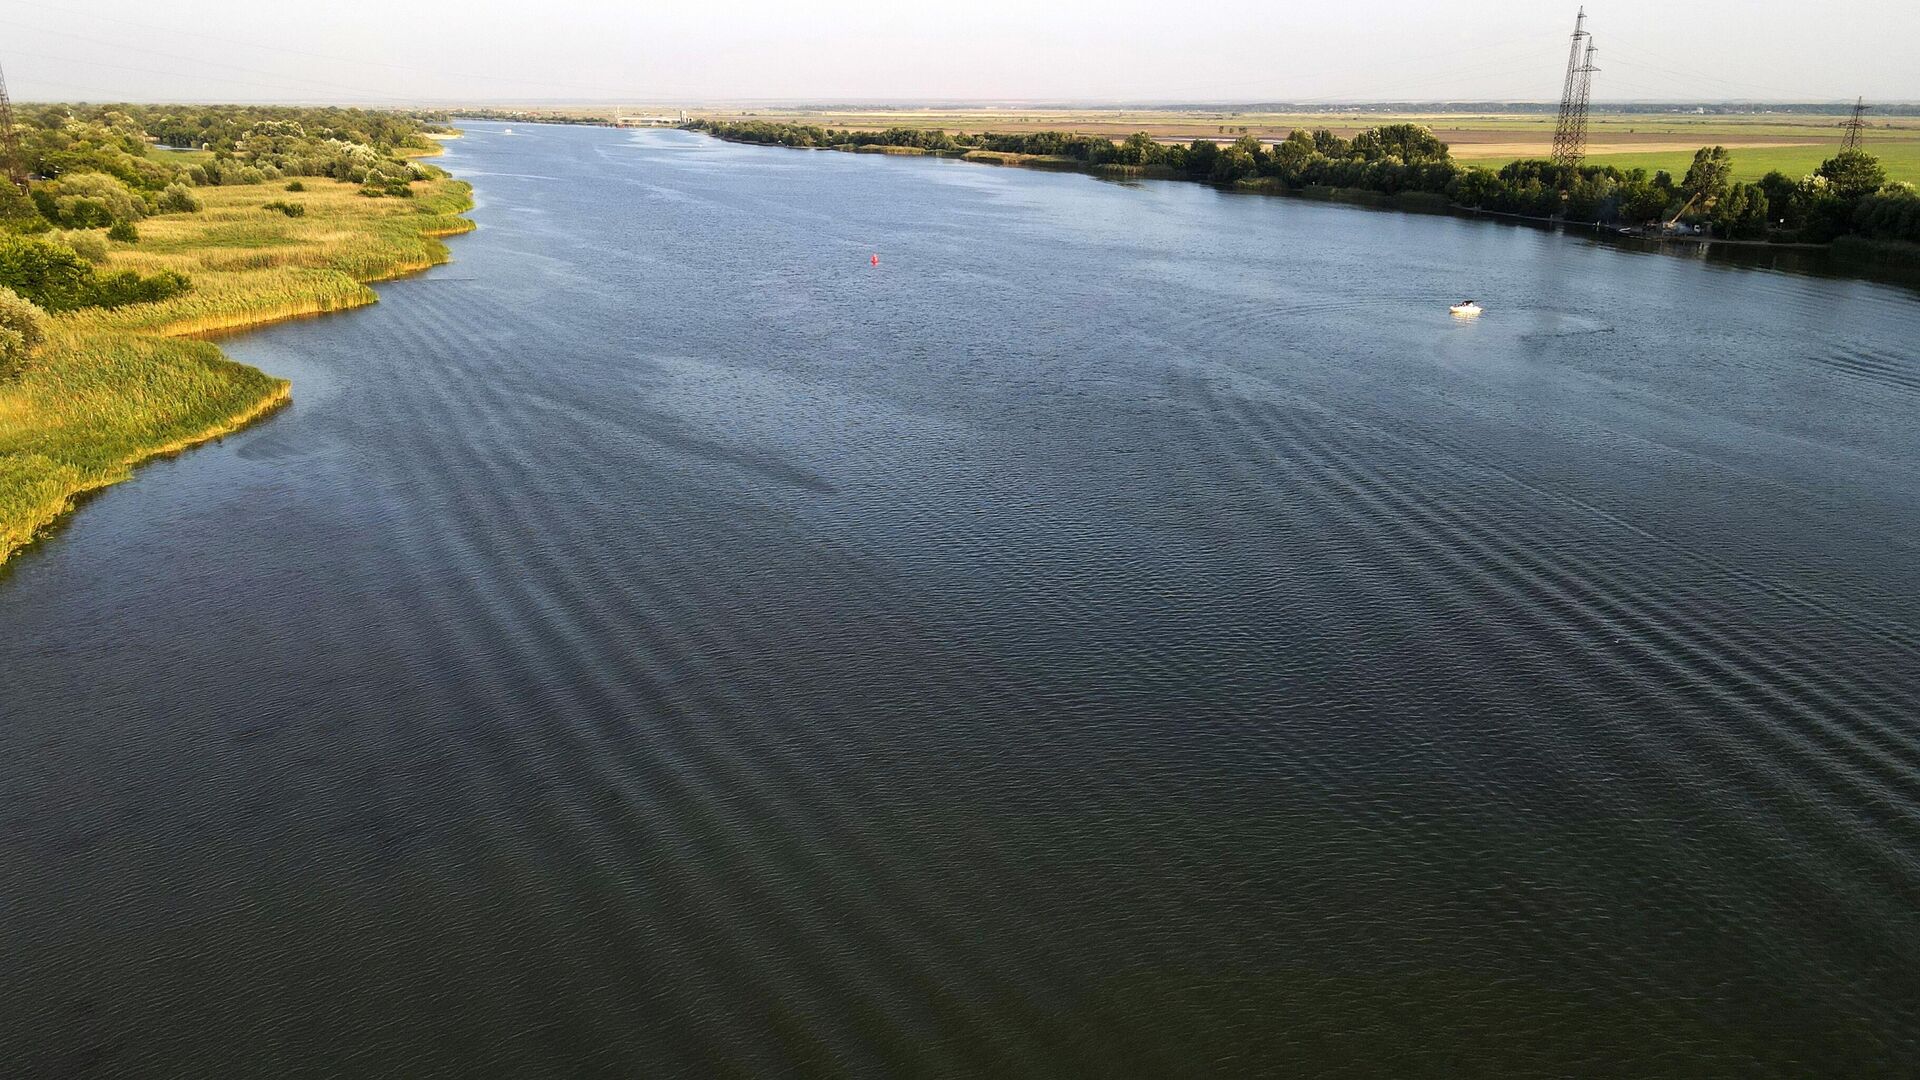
(113, 388)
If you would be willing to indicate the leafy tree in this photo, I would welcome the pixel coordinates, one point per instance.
(1293, 153)
(1852, 174)
(1330, 144)
(1644, 202)
(1478, 188)
(80, 199)
(270, 139)
(1709, 176)
(84, 213)
(1414, 144)
(1891, 214)
(123, 232)
(1742, 212)
(1243, 159)
(18, 213)
(23, 328)
(1202, 156)
(1251, 146)
(1591, 198)
(1783, 197)
(1139, 149)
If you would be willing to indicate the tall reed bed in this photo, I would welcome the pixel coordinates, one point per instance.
(114, 388)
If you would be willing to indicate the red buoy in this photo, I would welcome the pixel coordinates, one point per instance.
(876, 258)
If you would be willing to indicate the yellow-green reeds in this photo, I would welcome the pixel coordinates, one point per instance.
(113, 388)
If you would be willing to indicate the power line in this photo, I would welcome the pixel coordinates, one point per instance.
(1700, 76)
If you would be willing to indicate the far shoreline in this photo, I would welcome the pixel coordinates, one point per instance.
(1865, 260)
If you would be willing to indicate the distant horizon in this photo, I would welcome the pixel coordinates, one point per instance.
(980, 104)
(436, 52)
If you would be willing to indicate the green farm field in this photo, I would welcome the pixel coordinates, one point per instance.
(1901, 159)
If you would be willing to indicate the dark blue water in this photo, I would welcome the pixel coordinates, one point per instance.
(1132, 630)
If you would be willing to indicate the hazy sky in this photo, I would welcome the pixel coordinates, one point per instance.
(1241, 50)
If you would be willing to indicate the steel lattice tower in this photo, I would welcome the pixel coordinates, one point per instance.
(1856, 126)
(10, 139)
(1570, 134)
(1587, 69)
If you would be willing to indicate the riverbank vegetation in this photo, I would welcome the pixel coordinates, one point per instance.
(1775, 138)
(1847, 195)
(573, 117)
(214, 238)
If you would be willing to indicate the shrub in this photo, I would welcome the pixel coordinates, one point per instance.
(18, 212)
(377, 189)
(1892, 214)
(296, 186)
(23, 327)
(51, 275)
(80, 212)
(55, 277)
(87, 200)
(90, 246)
(287, 208)
(178, 198)
(124, 232)
(127, 287)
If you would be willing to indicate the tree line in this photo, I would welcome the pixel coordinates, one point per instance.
(1848, 195)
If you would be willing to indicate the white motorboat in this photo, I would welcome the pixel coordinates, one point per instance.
(1466, 307)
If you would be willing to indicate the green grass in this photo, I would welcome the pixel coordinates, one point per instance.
(179, 157)
(114, 388)
(1901, 159)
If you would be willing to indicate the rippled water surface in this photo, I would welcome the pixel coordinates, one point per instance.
(1131, 630)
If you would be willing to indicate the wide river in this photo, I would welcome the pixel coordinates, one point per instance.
(1131, 630)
